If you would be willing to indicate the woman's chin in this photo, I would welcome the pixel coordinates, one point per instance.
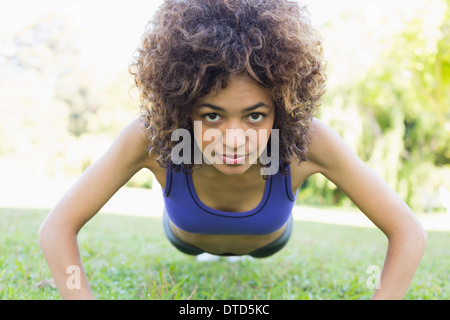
(231, 170)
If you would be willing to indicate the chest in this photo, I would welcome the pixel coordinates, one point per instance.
(230, 197)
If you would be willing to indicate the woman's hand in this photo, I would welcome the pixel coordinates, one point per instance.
(58, 233)
(407, 239)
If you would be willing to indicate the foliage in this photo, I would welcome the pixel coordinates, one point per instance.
(397, 117)
(59, 115)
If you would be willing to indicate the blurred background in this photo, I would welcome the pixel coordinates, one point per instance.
(65, 93)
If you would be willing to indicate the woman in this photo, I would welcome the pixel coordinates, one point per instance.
(243, 80)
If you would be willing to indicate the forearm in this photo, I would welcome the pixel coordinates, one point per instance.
(63, 258)
(402, 259)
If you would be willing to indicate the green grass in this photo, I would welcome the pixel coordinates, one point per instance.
(129, 258)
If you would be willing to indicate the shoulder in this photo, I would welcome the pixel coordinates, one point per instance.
(327, 152)
(326, 144)
(133, 147)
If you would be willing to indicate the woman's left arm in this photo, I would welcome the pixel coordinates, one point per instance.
(373, 196)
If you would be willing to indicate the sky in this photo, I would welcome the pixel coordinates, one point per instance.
(106, 23)
(116, 26)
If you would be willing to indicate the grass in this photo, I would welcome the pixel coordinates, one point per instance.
(129, 258)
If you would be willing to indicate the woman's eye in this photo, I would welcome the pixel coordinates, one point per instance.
(256, 117)
(212, 117)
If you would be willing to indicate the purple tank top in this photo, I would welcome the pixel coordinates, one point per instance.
(188, 213)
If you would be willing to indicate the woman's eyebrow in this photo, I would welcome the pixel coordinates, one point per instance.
(217, 108)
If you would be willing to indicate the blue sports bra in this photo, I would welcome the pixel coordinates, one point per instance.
(187, 212)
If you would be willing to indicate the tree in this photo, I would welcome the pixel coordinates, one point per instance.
(403, 98)
(397, 116)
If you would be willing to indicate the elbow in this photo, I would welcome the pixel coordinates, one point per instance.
(414, 237)
(54, 231)
(418, 237)
(49, 234)
(44, 234)
(423, 236)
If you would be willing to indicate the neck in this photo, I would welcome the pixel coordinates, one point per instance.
(251, 174)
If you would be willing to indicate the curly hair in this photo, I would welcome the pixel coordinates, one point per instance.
(191, 47)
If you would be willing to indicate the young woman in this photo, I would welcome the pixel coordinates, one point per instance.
(244, 79)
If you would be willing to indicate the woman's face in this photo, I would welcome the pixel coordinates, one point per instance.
(232, 127)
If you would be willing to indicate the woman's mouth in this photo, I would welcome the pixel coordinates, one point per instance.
(233, 159)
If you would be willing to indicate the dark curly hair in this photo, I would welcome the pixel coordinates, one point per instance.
(191, 47)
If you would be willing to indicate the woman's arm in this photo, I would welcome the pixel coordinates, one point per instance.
(407, 238)
(58, 233)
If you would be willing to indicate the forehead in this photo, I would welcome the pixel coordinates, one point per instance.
(241, 91)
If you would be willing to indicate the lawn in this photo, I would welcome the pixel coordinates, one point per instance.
(129, 258)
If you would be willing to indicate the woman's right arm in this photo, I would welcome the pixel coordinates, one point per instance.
(58, 233)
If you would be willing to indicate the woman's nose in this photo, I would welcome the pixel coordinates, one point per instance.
(235, 138)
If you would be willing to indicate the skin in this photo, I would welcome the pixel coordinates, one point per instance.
(235, 188)
(242, 186)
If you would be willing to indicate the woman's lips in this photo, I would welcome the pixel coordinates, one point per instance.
(233, 159)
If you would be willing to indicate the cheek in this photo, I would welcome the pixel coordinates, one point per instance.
(263, 139)
(257, 142)
(198, 134)
(264, 133)
(208, 138)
